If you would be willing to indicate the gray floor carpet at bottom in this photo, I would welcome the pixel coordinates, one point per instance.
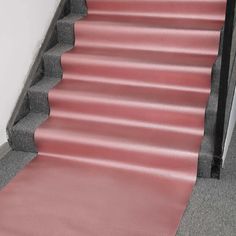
(212, 207)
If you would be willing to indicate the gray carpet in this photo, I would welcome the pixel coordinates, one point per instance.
(212, 208)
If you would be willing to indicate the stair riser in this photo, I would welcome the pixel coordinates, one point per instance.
(103, 67)
(153, 7)
(100, 34)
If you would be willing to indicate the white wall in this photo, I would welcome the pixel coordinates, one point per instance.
(232, 122)
(23, 26)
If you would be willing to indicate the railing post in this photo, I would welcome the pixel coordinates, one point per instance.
(223, 88)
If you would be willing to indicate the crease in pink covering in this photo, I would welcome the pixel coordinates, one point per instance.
(118, 154)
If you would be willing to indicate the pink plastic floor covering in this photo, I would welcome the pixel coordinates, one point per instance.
(118, 154)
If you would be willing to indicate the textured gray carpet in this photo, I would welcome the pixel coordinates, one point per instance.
(212, 208)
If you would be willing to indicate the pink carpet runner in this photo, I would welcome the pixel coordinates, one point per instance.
(118, 154)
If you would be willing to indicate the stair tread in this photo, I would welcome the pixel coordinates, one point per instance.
(116, 121)
(122, 18)
(177, 6)
(166, 20)
(128, 57)
(107, 33)
(75, 91)
(72, 131)
(133, 83)
(134, 93)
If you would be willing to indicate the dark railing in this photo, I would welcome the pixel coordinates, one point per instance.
(223, 88)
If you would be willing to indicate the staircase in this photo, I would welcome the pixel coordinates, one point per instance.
(130, 107)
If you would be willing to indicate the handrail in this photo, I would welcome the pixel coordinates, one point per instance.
(223, 89)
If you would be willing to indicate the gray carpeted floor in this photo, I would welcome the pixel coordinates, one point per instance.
(212, 208)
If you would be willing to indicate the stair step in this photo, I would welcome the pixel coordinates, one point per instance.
(136, 132)
(185, 8)
(133, 83)
(160, 20)
(150, 95)
(38, 94)
(71, 97)
(93, 140)
(162, 68)
(122, 35)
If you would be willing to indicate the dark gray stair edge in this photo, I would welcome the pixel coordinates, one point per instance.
(22, 107)
(38, 93)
